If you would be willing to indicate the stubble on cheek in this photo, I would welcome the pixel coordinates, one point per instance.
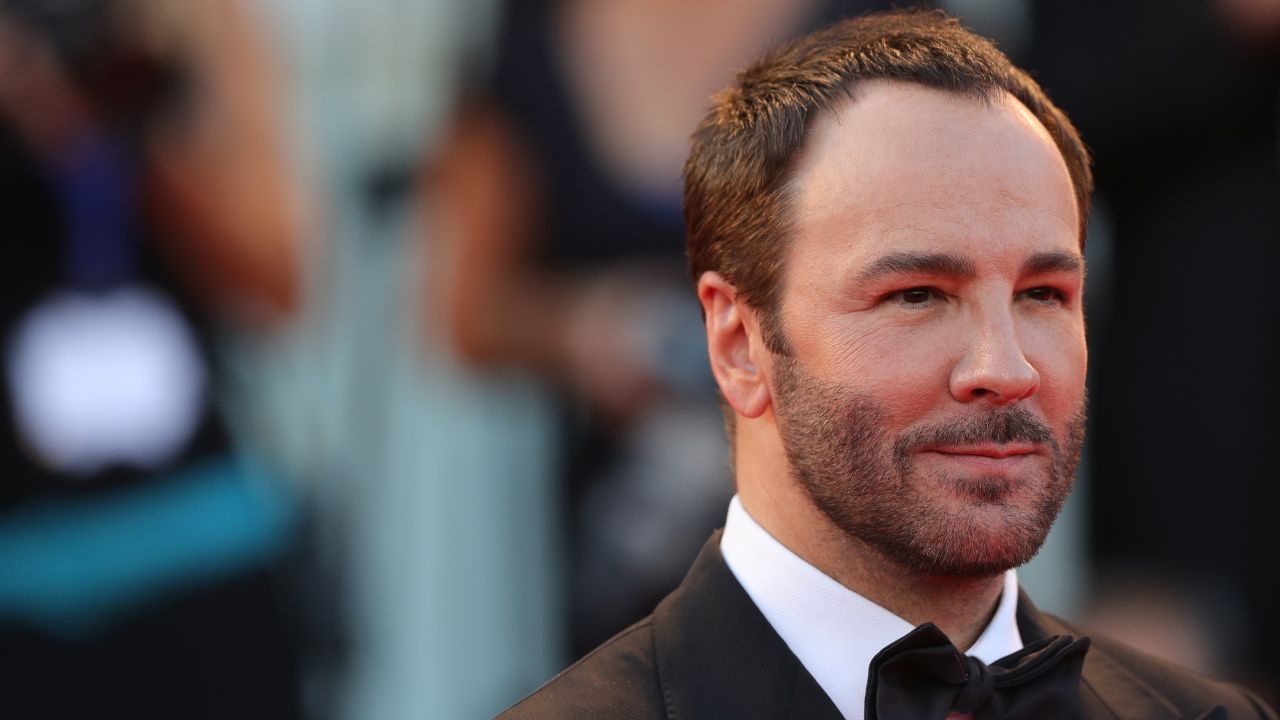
(867, 483)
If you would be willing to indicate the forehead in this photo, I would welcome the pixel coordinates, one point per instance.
(903, 167)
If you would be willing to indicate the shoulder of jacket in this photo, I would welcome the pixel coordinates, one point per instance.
(619, 679)
(1115, 670)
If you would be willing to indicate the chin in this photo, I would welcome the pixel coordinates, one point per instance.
(985, 490)
(979, 541)
(977, 527)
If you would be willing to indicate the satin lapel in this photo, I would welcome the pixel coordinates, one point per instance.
(1107, 690)
(719, 658)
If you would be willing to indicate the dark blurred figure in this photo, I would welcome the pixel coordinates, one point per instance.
(1180, 101)
(140, 190)
(563, 180)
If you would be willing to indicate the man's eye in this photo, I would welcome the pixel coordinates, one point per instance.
(1046, 295)
(915, 296)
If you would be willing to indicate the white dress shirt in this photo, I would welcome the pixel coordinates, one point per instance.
(832, 630)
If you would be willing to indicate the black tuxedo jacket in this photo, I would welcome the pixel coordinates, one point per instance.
(707, 653)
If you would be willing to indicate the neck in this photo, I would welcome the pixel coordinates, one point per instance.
(961, 606)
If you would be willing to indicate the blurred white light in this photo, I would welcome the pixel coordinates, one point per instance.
(101, 380)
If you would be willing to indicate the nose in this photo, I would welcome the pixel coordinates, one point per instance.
(993, 367)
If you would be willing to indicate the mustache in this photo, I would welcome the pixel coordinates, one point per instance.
(996, 426)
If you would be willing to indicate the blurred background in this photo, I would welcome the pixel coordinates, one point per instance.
(351, 370)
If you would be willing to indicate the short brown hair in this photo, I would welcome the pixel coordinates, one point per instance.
(735, 180)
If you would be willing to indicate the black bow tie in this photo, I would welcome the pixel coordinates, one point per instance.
(923, 676)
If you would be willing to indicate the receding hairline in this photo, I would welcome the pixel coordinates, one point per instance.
(854, 92)
(741, 168)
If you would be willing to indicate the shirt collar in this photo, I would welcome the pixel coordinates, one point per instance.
(833, 631)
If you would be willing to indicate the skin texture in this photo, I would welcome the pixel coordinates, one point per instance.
(932, 304)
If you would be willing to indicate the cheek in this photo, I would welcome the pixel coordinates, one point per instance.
(905, 369)
(1061, 358)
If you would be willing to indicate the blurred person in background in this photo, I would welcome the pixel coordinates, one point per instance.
(560, 221)
(430, 535)
(144, 194)
(1180, 103)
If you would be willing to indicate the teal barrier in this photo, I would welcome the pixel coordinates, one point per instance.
(69, 566)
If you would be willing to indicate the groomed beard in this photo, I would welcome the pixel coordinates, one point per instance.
(866, 483)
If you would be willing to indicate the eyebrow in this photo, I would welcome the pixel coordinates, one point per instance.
(1051, 262)
(909, 263)
(958, 266)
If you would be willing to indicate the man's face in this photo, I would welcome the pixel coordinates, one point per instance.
(933, 402)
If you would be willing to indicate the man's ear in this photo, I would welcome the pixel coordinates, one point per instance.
(734, 345)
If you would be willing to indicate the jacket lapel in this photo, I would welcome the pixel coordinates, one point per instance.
(810, 701)
(1107, 690)
(717, 656)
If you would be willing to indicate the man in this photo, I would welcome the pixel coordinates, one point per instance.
(885, 222)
